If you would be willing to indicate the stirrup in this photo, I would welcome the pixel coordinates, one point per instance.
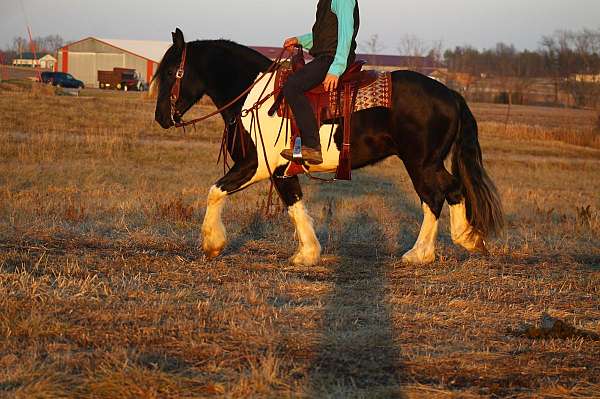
(297, 151)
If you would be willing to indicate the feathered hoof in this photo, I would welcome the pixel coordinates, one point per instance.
(419, 256)
(305, 259)
(213, 242)
(212, 251)
(478, 247)
(211, 254)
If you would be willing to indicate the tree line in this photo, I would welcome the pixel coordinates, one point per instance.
(41, 44)
(563, 54)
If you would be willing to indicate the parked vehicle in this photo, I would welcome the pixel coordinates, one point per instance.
(62, 79)
(119, 79)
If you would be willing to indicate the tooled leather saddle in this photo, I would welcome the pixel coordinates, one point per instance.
(328, 107)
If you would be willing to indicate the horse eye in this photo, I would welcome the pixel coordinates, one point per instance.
(170, 73)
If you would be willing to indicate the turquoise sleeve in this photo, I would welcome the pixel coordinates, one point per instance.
(344, 10)
(306, 41)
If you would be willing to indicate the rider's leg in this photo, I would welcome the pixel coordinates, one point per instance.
(308, 77)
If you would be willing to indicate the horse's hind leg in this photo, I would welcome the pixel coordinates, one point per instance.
(214, 236)
(424, 249)
(309, 249)
(462, 232)
(427, 184)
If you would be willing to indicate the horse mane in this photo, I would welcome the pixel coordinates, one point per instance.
(256, 61)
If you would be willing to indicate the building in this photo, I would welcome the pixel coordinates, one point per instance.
(47, 61)
(84, 58)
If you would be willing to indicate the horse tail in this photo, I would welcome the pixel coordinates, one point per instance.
(482, 201)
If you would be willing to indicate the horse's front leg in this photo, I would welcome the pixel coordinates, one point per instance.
(214, 236)
(309, 248)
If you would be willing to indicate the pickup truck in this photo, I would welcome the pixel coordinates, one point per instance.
(61, 79)
(119, 79)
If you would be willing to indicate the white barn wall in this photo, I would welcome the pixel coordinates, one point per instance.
(88, 56)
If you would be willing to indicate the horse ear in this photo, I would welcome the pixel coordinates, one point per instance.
(178, 39)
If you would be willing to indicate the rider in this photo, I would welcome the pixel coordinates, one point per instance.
(332, 43)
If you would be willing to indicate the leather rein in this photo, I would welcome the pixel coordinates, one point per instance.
(175, 91)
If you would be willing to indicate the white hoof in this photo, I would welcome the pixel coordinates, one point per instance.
(309, 248)
(472, 243)
(214, 237)
(213, 243)
(419, 255)
(306, 258)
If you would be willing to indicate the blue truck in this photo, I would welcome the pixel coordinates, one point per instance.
(62, 79)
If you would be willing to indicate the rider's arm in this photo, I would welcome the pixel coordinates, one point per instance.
(306, 40)
(344, 10)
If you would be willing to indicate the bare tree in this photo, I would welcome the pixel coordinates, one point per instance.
(412, 45)
(19, 45)
(372, 46)
(54, 42)
(436, 52)
(414, 48)
(48, 44)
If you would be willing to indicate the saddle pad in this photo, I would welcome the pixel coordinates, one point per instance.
(376, 94)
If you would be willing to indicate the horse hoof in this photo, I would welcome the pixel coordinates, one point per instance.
(418, 256)
(212, 254)
(300, 259)
(479, 247)
(212, 251)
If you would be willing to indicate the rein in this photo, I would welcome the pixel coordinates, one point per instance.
(175, 91)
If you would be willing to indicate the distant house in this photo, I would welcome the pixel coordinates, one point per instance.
(46, 61)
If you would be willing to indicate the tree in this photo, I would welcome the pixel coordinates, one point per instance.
(372, 46)
(436, 52)
(42, 44)
(414, 48)
(19, 45)
(574, 59)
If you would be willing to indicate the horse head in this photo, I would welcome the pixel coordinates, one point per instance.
(177, 84)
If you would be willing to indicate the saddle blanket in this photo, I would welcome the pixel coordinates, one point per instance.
(376, 94)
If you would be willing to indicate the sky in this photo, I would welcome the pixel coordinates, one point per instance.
(480, 23)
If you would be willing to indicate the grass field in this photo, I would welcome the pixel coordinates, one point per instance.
(105, 294)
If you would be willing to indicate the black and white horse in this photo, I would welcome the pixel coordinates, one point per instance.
(427, 123)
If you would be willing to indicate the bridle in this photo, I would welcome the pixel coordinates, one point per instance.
(177, 87)
(175, 90)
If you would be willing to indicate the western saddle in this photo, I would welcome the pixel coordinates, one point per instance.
(328, 107)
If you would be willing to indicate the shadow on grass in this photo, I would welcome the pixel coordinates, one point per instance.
(357, 355)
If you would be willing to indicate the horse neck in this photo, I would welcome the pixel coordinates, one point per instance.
(232, 68)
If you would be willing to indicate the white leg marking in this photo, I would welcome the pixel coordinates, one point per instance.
(213, 231)
(462, 232)
(424, 249)
(309, 249)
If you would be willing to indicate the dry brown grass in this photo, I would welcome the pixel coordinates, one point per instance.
(104, 293)
(571, 126)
